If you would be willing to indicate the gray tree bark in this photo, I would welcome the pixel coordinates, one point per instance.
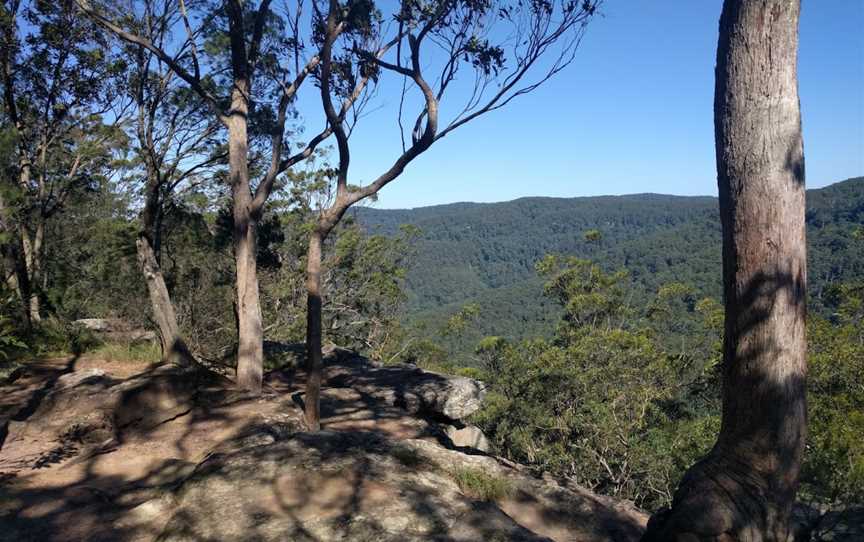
(745, 487)
(33, 251)
(250, 350)
(314, 354)
(174, 349)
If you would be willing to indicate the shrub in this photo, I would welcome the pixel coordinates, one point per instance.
(481, 486)
(54, 336)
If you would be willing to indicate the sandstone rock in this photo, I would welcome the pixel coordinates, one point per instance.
(562, 512)
(468, 436)
(330, 486)
(87, 376)
(360, 486)
(87, 411)
(115, 330)
(413, 389)
(96, 324)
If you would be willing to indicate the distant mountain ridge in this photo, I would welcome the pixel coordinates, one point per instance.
(485, 252)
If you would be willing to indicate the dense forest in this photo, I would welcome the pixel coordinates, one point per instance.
(485, 254)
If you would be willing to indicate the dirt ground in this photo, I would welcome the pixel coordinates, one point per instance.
(61, 490)
(69, 485)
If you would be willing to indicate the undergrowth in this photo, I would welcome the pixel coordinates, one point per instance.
(129, 352)
(481, 486)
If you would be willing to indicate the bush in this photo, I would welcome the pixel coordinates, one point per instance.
(833, 469)
(481, 486)
(58, 337)
(11, 336)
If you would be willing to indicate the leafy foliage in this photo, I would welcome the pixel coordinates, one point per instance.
(624, 401)
(603, 402)
(834, 466)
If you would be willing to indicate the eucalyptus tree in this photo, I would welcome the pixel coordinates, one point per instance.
(246, 63)
(175, 147)
(474, 56)
(57, 95)
(744, 489)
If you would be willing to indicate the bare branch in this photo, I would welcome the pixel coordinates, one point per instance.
(190, 38)
(193, 82)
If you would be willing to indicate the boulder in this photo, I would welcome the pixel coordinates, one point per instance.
(86, 377)
(113, 329)
(96, 325)
(468, 436)
(408, 387)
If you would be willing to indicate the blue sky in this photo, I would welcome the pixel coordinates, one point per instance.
(632, 114)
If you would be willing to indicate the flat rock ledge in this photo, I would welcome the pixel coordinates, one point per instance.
(362, 486)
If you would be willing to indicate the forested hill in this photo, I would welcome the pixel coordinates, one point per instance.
(485, 253)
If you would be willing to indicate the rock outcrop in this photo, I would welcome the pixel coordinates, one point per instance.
(406, 386)
(112, 329)
(88, 409)
(361, 486)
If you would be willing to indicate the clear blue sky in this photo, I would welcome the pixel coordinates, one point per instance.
(632, 114)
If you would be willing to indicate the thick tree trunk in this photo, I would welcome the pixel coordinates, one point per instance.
(174, 349)
(314, 355)
(744, 489)
(250, 350)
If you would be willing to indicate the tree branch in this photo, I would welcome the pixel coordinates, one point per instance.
(193, 82)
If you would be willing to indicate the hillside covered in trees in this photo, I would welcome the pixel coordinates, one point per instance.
(486, 253)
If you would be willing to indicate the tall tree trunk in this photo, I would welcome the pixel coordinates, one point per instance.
(250, 351)
(33, 250)
(744, 489)
(174, 349)
(314, 355)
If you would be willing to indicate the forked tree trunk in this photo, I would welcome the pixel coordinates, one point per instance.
(174, 349)
(250, 349)
(744, 489)
(314, 355)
